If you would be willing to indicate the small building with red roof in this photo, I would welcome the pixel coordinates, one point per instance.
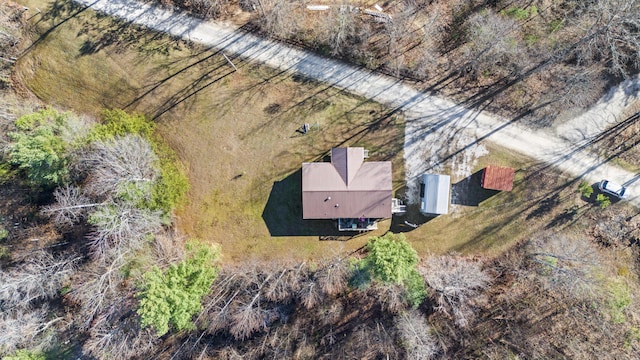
(498, 178)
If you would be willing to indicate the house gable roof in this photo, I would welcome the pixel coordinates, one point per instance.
(347, 187)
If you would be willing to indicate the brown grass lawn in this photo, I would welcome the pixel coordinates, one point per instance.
(234, 131)
(236, 135)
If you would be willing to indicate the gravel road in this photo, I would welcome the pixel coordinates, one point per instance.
(434, 125)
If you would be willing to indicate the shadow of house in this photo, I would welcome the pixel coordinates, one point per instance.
(469, 191)
(283, 213)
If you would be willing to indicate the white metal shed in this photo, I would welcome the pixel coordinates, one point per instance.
(435, 194)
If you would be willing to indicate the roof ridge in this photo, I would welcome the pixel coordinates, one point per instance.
(347, 161)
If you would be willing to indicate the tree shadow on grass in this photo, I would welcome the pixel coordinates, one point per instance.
(469, 191)
(283, 213)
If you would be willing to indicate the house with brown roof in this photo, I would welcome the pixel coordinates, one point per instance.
(355, 192)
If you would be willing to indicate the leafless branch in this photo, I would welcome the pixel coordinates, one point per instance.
(456, 282)
(71, 206)
(41, 276)
(415, 335)
(119, 162)
(119, 228)
(24, 327)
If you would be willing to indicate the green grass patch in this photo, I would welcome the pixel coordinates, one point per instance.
(619, 299)
(24, 354)
(556, 25)
(531, 39)
(520, 13)
(633, 337)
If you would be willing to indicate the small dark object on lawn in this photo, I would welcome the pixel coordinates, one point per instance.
(411, 224)
(304, 129)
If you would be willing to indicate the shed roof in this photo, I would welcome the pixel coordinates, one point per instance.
(435, 194)
(347, 187)
(498, 178)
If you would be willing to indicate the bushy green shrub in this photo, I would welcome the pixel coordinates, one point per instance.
(119, 123)
(586, 190)
(171, 298)
(38, 149)
(171, 187)
(603, 200)
(391, 259)
(7, 172)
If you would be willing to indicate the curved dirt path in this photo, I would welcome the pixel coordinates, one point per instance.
(434, 125)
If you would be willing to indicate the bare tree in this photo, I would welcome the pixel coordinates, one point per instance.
(283, 285)
(248, 314)
(71, 206)
(208, 8)
(116, 333)
(116, 163)
(280, 18)
(370, 342)
(40, 276)
(96, 288)
(217, 305)
(120, 228)
(400, 36)
(431, 38)
(332, 276)
(310, 293)
(415, 335)
(610, 31)
(168, 249)
(338, 29)
(457, 282)
(493, 43)
(390, 296)
(565, 263)
(24, 327)
(247, 318)
(331, 312)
